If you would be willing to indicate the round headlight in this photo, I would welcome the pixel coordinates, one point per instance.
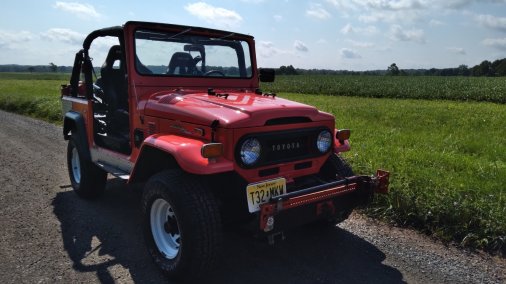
(250, 151)
(324, 141)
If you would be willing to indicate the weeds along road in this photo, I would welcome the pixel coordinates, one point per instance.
(48, 235)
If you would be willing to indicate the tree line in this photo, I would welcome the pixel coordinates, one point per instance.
(51, 67)
(495, 68)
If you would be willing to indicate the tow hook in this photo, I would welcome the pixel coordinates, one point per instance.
(272, 237)
(325, 208)
(269, 225)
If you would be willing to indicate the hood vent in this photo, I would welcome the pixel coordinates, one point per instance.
(287, 120)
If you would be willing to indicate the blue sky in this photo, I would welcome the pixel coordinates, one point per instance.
(330, 34)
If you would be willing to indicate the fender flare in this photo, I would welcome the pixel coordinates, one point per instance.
(73, 122)
(185, 153)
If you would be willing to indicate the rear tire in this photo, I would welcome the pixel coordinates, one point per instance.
(182, 225)
(86, 178)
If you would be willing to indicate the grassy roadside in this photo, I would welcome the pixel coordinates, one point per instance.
(447, 158)
(35, 95)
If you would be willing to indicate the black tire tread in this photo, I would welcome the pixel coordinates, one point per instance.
(195, 204)
(93, 178)
(340, 166)
(336, 168)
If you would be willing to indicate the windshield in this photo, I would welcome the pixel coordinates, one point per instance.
(184, 54)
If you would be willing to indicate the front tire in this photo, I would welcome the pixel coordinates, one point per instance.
(86, 178)
(336, 168)
(182, 225)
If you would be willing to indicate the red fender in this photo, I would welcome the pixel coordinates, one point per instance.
(186, 151)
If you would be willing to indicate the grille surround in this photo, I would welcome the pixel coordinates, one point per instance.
(283, 146)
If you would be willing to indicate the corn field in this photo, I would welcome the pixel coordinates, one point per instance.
(489, 89)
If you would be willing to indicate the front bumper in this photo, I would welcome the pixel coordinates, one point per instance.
(316, 202)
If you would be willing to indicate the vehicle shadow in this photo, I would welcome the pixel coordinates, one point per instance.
(105, 237)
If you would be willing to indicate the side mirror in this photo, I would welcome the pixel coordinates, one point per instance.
(266, 74)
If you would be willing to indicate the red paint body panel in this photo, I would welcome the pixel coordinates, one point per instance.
(239, 110)
(186, 151)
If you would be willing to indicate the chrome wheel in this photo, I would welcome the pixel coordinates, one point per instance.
(165, 228)
(76, 166)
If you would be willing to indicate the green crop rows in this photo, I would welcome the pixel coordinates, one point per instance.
(447, 158)
(411, 87)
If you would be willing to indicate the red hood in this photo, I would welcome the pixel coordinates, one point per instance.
(240, 109)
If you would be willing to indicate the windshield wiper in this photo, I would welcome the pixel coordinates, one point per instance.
(181, 33)
(163, 36)
(229, 35)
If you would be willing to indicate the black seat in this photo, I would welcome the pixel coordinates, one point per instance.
(114, 85)
(181, 63)
(114, 81)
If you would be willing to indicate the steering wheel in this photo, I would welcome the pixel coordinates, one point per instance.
(210, 72)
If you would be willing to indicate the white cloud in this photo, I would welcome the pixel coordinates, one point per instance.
(372, 11)
(397, 33)
(455, 4)
(214, 15)
(342, 4)
(361, 44)
(435, 23)
(403, 6)
(300, 46)
(318, 12)
(458, 4)
(11, 40)
(457, 50)
(399, 11)
(349, 29)
(266, 49)
(499, 43)
(63, 35)
(492, 22)
(391, 5)
(253, 1)
(83, 11)
(278, 18)
(321, 41)
(389, 16)
(349, 53)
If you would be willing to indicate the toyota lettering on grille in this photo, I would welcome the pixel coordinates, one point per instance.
(285, 146)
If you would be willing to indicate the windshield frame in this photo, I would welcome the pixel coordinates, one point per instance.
(237, 42)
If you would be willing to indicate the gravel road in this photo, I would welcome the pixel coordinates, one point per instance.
(49, 235)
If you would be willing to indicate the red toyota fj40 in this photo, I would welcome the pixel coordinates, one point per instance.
(179, 109)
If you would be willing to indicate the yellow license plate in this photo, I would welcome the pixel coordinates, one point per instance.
(260, 192)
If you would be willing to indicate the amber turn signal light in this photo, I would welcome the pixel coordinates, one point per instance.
(211, 150)
(343, 134)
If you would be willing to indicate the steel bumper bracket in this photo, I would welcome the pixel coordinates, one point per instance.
(319, 193)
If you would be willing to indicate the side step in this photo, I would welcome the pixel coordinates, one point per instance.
(113, 170)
